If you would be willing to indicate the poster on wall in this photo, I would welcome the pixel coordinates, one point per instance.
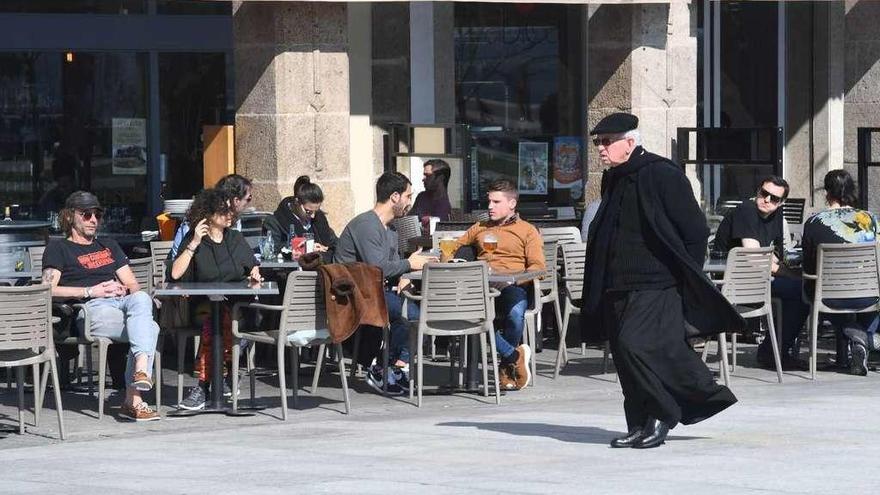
(129, 146)
(568, 169)
(533, 165)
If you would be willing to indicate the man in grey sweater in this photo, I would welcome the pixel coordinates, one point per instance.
(368, 239)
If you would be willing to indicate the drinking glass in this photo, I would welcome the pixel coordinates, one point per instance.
(447, 248)
(490, 242)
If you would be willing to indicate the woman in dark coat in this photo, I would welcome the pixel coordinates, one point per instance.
(302, 211)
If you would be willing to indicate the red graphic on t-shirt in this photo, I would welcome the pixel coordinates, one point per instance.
(95, 260)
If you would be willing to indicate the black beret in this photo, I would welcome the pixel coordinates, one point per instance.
(616, 123)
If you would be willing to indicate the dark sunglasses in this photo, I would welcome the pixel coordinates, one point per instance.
(88, 214)
(770, 197)
(606, 141)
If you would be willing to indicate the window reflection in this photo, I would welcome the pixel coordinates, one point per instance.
(73, 6)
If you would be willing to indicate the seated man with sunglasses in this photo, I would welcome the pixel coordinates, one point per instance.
(84, 268)
(759, 223)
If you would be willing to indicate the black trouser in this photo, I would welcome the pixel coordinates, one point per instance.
(661, 376)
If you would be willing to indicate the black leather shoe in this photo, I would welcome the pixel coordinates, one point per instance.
(655, 435)
(627, 441)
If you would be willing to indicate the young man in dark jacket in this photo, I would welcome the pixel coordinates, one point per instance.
(643, 281)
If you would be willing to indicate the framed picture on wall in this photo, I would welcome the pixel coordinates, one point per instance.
(568, 168)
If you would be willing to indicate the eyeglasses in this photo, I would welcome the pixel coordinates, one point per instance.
(605, 141)
(87, 214)
(770, 197)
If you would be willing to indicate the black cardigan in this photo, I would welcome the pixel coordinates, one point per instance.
(230, 260)
(278, 226)
(674, 217)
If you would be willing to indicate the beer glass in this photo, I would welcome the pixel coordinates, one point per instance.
(447, 248)
(490, 242)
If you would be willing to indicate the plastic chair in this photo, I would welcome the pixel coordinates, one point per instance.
(35, 253)
(26, 340)
(746, 285)
(793, 210)
(407, 228)
(844, 271)
(454, 302)
(173, 313)
(546, 290)
(573, 256)
(303, 323)
(561, 235)
(143, 272)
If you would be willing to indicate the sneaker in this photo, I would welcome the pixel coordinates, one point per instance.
(400, 376)
(859, 363)
(375, 379)
(141, 381)
(140, 412)
(195, 400)
(522, 374)
(505, 382)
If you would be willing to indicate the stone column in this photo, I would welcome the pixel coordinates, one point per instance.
(292, 100)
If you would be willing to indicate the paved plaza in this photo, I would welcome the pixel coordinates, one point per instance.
(798, 437)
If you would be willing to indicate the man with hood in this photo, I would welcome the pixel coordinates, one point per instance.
(643, 282)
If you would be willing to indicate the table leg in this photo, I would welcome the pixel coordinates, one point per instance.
(216, 404)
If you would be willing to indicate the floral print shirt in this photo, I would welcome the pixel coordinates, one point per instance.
(837, 226)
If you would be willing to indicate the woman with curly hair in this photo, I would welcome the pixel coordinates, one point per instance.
(213, 252)
(843, 223)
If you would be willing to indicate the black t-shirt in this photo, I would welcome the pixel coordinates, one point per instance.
(746, 222)
(84, 265)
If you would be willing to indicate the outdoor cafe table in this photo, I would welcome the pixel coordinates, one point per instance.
(494, 278)
(18, 278)
(216, 292)
(279, 265)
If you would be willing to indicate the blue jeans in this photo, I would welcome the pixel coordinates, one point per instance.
(399, 346)
(510, 309)
(125, 319)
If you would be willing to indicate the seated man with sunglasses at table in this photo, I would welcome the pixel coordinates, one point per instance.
(84, 268)
(517, 247)
(759, 223)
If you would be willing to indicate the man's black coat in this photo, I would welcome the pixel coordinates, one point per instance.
(672, 213)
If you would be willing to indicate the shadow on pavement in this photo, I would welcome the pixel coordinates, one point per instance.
(573, 434)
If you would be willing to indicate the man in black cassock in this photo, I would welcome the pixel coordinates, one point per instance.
(643, 280)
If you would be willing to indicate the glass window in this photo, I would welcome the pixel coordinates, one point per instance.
(192, 88)
(71, 121)
(196, 7)
(518, 74)
(73, 6)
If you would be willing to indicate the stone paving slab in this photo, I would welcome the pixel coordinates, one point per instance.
(798, 437)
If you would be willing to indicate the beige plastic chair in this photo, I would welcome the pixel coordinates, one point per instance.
(546, 290)
(26, 340)
(561, 235)
(406, 227)
(303, 323)
(746, 285)
(573, 256)
(143, 272)
(844, 271)
(35, 253)
(173, 313)
(454, 302)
